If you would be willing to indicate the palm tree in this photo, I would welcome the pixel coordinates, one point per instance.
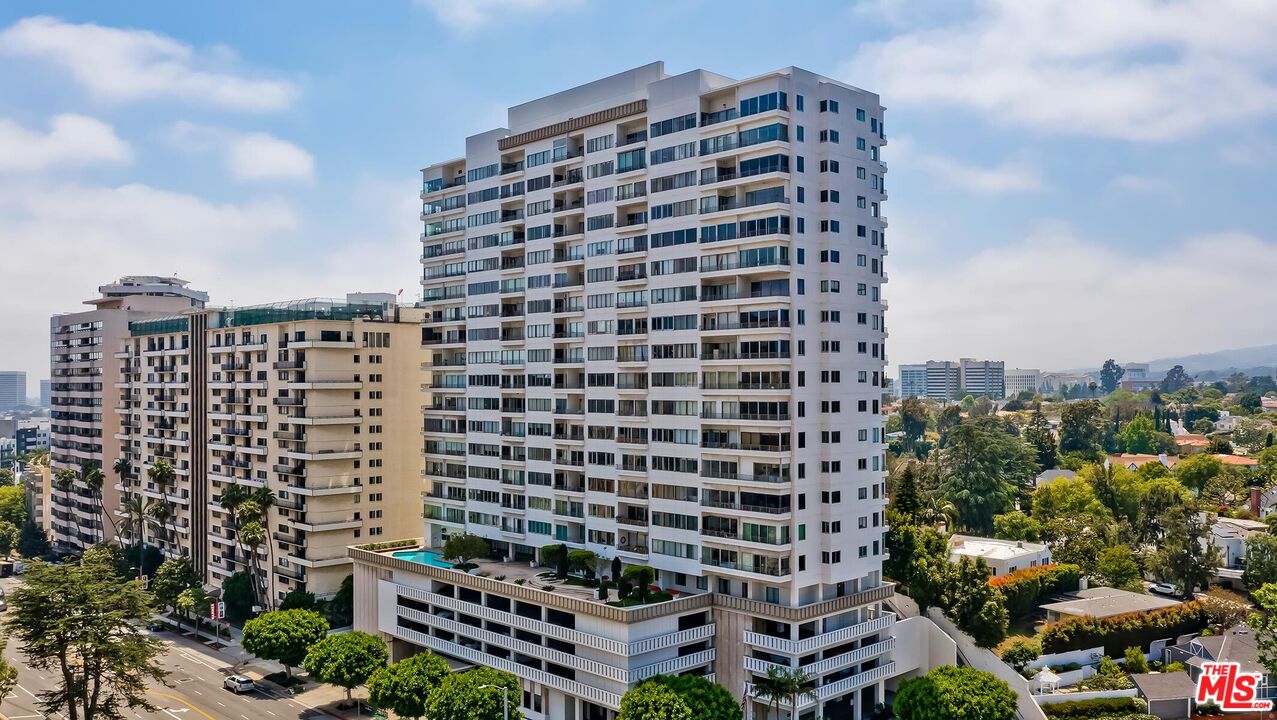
(94, 479)
(139, 512)
(253, 534)
(63, 480)
(163, 475)
(161, 513)
(265, 499)
(784, 685)
(232, 499)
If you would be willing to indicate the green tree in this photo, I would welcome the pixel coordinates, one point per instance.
(1116, 567)
(906, 500)
(1185, 556)
(94, 478)
(9, 537)
(918, 559)
(1016, 526)
(1019, 653)
(1196, 470)
(405, 686)
(346, 660)
(237, 593)
(465, 547)
(1110, 375)
(284, 636)
(955, 692)
(193, 601)
(783, 686)
(298, 599)
(7, 478)
(1078, 539)
(975, 606)
(32, 542)
(1159, 494)
(651, 701)
(1135, 661)
(173, 576)
(1068, 496)
(1082, 428)
(1176, 379)
(981, 469)
(707, 699)
(80, 623)
(8, 678)
(913, 420)
(463, 696)
(13, 505)
(1038, 434)
(1139, 435)
(1261, 561)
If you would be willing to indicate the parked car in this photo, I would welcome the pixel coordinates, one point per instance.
(239, 684)
(1163, 589)
(157, 626)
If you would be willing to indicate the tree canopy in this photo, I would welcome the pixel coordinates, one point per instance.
(284, 636)
(405, 686)
(983, 465)
(465, 547)
(955, 692)
(79, 623)
(346, 660)
(652, 701)
(462, 696)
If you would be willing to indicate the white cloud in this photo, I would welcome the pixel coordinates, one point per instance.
(470, 14)
(259, 156)
(1057, 301)
(72, 140)
(1143, 70)
(1143, 185)
(254, 251)
(248, 156)
(1011, 176)
(122, 65)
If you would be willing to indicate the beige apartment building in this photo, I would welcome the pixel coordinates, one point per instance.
(298, 398)
(85, 392)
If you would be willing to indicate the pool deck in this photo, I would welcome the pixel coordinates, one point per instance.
(531, 575)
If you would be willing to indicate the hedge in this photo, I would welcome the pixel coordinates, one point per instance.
(1024, 590)
(1122, 631)
(1097, 707)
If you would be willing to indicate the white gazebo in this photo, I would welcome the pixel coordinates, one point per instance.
(1045, 682)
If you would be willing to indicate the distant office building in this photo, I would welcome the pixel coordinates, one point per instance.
(913, 381)
(13, 390)
(32, 435)
(947, 380)
(45, 386)
(1056, 382)
(983, 377)
(1135, 371)
(1020, 379)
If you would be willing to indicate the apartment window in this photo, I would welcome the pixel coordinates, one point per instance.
(830, 136)
(830, 166)
(860, 114)
(860, 143)
(798, 102)
(602, 142)
(630, 160)
(673, 125)
(829, 106)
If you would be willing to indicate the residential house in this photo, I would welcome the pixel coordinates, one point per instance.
(1235, 645)
(1047, 477)
(1170, 695)
(1103, 602)
(1002, 556)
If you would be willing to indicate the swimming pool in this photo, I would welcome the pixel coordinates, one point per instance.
(425, 557)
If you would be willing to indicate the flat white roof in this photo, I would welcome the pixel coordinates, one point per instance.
(992, 548)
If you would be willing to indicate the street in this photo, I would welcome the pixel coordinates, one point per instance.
(193, 690)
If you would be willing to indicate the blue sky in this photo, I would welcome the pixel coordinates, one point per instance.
(1069, 179)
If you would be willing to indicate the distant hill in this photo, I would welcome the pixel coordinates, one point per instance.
(1258, 360)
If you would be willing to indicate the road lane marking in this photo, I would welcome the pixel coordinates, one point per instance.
(184, 702)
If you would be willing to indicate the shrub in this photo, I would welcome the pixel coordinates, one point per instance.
(1098, 707)
(1135, 661)
(1122, 631)
(1025, 589)
(1019, 653)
